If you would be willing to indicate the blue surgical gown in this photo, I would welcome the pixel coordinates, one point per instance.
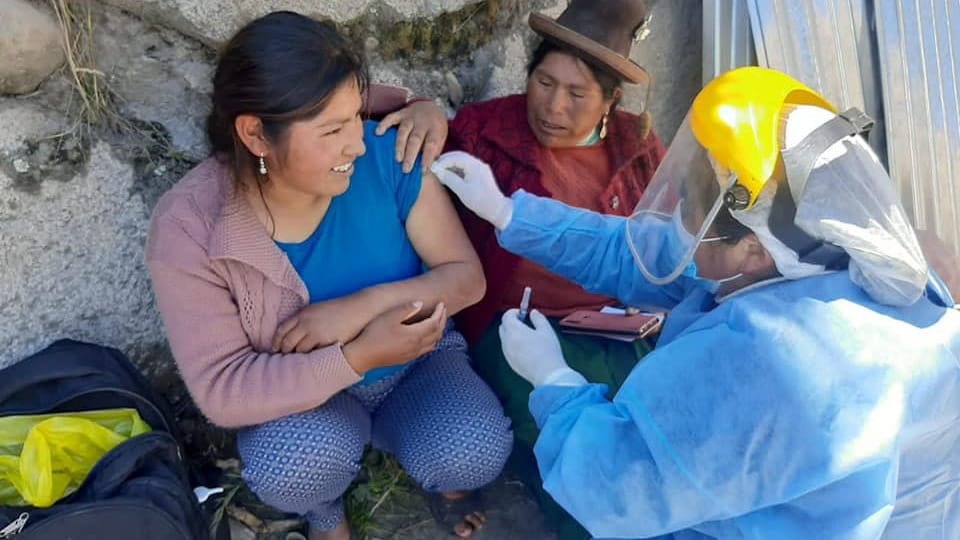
(791, 410)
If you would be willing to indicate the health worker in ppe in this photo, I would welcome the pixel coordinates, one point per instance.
(805, 384)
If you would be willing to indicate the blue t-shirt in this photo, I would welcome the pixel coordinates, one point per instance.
(363, 231)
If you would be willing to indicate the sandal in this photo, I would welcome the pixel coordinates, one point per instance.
(453, 515)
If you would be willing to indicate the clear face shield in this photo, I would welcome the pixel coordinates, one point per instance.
(837, 208)
(677, 210)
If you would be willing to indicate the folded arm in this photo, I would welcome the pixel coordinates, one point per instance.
(232, 384)
(454, 277)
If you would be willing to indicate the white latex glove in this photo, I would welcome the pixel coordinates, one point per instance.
(534, 353)
(477, 189)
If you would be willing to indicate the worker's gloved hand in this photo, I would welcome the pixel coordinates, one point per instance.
(474, 184)
(534, 353)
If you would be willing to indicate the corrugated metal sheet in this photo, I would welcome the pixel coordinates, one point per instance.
(727, 42)
(897, 60)
(920, 66)
(827, 45)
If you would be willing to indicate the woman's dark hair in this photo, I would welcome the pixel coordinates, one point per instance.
(282, 67)
(608, 81)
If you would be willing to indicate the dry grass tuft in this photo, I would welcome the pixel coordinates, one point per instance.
(97, 101)
(94, 105)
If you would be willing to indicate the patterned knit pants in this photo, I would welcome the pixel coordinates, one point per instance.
(440, 420)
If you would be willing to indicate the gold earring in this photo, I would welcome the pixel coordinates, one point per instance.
(263, 165)
(603, 127)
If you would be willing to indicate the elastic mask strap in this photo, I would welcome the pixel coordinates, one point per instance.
(798, 163)
(738, 275)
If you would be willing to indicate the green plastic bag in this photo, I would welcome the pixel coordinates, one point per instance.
(45, 457)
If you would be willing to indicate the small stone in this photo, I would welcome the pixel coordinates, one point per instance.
(21, 165)
(160, 171)
(371, 43)
(29, 46)
(44, 152)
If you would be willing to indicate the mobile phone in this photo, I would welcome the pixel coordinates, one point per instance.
(595, 322)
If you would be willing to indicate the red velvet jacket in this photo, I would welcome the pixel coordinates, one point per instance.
(497, 132)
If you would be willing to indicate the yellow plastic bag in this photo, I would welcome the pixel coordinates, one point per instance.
(46, 457)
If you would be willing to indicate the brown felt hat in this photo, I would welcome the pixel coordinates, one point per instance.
(599, 31)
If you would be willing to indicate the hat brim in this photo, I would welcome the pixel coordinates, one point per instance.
(592, 51)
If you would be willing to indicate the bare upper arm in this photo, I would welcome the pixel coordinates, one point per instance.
(434, 228)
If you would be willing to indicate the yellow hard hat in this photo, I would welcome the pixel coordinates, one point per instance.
(736, 118)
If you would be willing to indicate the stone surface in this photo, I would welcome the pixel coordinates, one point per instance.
(72, 259)
(214, 21)
(673, 53)
(75, 201)
(160, 77)
(29, 46)
(509, 67)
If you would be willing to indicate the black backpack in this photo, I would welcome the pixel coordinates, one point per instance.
(140, 489)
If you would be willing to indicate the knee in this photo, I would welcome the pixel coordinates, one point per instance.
(471, 458)
(294, 474)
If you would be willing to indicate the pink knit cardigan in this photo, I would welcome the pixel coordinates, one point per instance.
(223, 288)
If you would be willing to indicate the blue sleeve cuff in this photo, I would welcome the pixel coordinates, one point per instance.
(547, 400)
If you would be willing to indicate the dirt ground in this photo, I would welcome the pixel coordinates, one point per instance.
(511, 515)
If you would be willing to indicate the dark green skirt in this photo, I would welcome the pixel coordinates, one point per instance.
(599, 360)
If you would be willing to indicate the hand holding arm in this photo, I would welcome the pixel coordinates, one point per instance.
(232, 382)
(391, 339)
(323, 323)
(455, 278)
(421, 125)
